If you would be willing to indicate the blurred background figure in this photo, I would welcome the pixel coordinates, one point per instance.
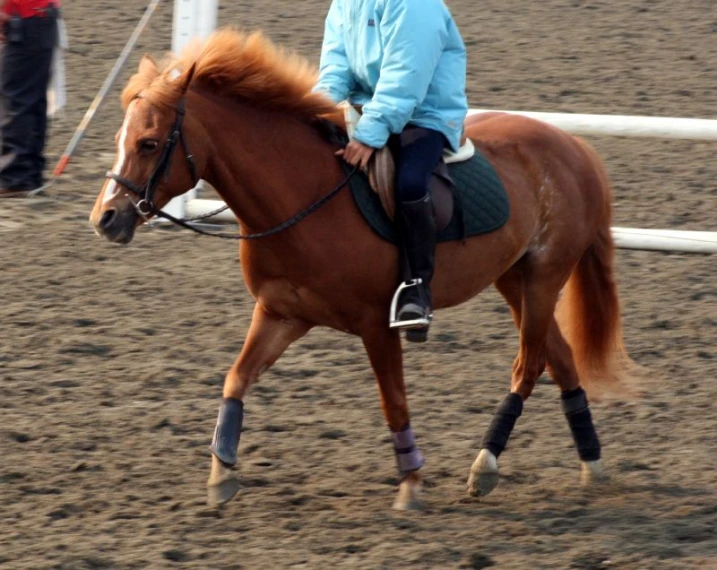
(29, 32)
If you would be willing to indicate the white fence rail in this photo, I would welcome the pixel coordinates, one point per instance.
(624, 125)
(665, 240)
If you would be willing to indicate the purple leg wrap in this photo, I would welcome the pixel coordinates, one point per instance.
(408, 456)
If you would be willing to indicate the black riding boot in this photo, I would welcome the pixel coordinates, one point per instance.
(418, 226)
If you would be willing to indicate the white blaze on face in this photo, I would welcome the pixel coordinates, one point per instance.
(112, 187)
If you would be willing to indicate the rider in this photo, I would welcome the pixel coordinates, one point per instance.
(404, 62)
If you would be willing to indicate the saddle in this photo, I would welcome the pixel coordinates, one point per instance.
(381, 174)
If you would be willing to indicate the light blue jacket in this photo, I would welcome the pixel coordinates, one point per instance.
(403, 60)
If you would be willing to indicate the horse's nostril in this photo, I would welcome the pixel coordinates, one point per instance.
(107, 218)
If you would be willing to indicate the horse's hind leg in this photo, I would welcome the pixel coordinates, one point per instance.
(269, 336)
(532, 295)
(383, 346)
(575, 404)
(484, 473)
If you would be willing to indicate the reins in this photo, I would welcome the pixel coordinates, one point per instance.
(295, 219)
(146, 207)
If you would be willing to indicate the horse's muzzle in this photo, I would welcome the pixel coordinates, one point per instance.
(117, 225)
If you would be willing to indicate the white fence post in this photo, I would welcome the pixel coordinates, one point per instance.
(192, 19)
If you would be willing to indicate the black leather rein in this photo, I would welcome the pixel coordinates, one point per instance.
(146, 207)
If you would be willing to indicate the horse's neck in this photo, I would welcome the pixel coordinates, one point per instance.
(266, 166)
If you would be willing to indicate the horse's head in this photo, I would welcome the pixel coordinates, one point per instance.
(153, 165)
(251, 76)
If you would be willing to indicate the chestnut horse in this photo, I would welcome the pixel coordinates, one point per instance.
(239, 113)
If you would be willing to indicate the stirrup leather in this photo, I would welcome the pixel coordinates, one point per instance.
(394, 323)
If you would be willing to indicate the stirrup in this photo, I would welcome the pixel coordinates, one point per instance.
(394, 323)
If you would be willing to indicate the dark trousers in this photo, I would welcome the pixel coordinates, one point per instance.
(27, 58)
(416, 152)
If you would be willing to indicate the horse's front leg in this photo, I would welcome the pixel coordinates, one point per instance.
(385, 353)
(269, 336)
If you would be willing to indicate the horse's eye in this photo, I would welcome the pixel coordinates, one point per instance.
(148, 145)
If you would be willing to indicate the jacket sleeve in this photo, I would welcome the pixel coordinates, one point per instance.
(414, 35)
(335, 76)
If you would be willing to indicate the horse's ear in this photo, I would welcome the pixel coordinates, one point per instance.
(147, 66)
(187, 80)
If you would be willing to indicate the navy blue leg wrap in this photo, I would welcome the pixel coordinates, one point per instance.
(496, 438)
(226, 434)
(575, 406)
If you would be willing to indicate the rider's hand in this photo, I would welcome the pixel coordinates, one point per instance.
(357, 154)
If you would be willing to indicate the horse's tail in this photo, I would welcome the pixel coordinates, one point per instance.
(589, 310)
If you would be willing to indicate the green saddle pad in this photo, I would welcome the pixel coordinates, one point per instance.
(481, 204)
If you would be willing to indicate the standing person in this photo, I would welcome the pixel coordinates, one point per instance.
(404, 62)
(28, 29)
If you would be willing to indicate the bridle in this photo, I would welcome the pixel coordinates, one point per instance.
(145, 206)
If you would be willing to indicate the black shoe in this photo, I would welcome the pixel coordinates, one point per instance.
(14, 193)
(415, 304)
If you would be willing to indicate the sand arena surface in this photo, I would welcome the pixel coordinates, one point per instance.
(111, 359)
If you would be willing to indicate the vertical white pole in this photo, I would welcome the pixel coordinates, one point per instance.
(193, 19)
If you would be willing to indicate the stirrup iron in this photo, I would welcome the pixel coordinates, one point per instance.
(394, 323)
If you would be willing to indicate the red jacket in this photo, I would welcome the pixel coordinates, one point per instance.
(28, 8)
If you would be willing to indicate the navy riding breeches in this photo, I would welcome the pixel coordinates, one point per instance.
(416, 152)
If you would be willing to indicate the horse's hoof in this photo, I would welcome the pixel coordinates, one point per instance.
(223, 492)
(484, 474)
(400, 505)
(407, 499)
(593, 473)
(223, 483)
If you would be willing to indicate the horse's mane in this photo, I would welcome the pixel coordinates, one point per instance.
(246, 67)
